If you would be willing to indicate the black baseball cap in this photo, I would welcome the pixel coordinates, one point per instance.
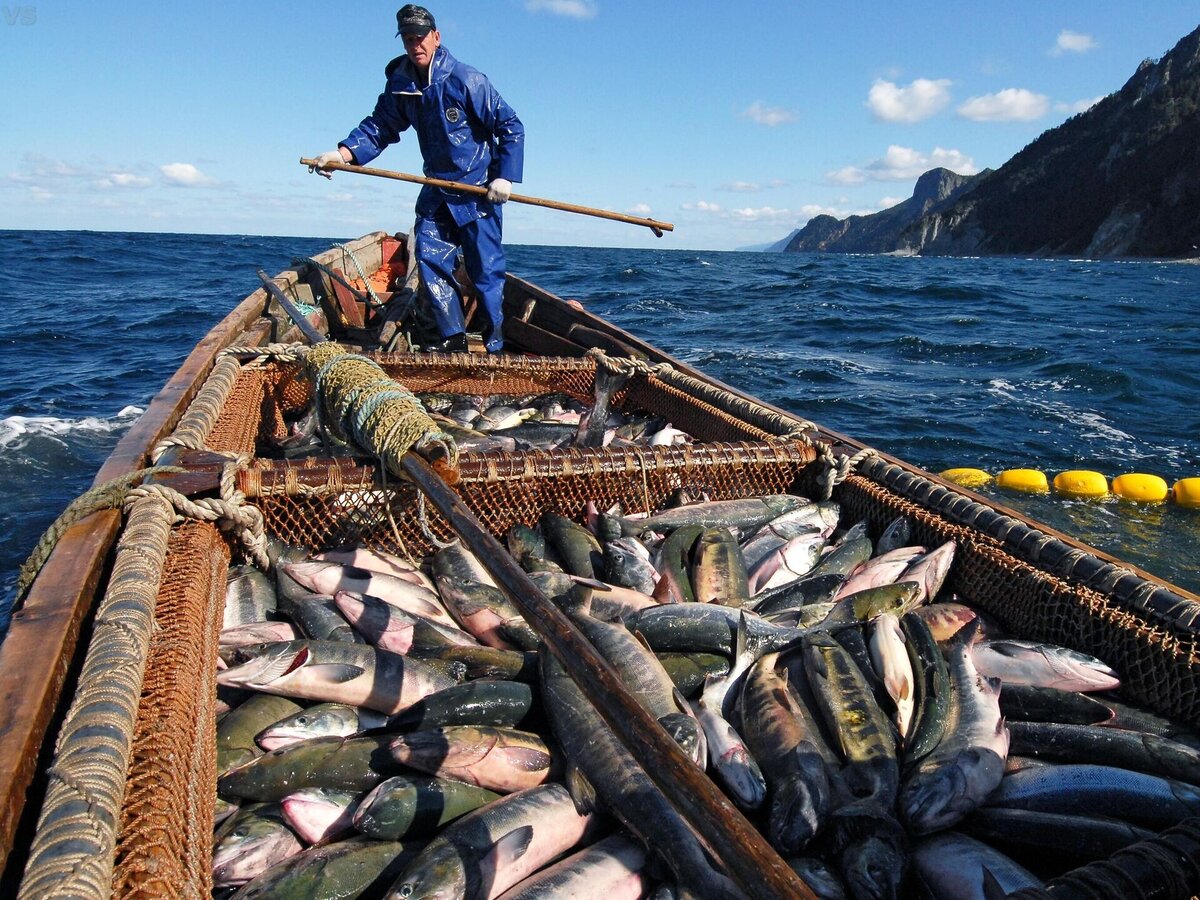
(413, 19)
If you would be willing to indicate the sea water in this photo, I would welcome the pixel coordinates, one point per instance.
(989, 363)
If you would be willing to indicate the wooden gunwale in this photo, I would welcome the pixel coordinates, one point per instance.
(42, 643)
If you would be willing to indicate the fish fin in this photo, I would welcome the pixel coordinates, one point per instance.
(338, 673)
(681, 701)
(741, 637)
(581, 790)
(992, 888)
(513, 845)
(966, 634)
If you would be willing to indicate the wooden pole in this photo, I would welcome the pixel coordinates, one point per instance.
(741, 849)
(657, 227)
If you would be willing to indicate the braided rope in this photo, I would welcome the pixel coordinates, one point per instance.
(109, 495)
(279, 352)
(202, 413)
(346, 251)
(73, 847)
(838, 467)
(357, 398)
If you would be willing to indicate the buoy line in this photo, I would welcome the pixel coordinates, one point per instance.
(1084, 484)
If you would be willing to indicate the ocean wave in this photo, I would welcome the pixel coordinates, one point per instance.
(16, 431)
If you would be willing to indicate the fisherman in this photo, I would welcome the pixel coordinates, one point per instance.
(467, 133)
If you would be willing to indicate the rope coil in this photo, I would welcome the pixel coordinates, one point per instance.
(357, 399)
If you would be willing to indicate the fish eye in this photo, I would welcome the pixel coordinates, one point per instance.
(302, 720)
(406, 890)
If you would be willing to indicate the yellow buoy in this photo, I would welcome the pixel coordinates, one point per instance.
(1187, 492)
(1140, 488)
(1081, 483)
(1027, 481)
(968, 478)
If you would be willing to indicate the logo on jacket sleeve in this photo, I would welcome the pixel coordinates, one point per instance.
(453, 114)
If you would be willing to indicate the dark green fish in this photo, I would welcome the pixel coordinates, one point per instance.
(348, 870)
(412, 805)
(348, 764)
(484, 702)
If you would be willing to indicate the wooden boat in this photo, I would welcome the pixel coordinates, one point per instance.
(84, 650)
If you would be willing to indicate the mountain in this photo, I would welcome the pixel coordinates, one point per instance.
(876, 233)
(1121, 179)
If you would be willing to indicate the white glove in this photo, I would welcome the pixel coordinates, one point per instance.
(333, 156)
(499, 190)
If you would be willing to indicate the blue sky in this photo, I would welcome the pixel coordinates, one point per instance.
(735, 122)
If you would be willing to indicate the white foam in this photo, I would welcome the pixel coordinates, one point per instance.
(19, 429)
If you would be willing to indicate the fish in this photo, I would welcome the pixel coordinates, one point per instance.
(708, 628)
(1081, 839)
(812, 590)
(321, 720)
(328, 578)
(890, 657)
(592, 423)
(236, 731)
(930, 570)
(319, 814)
(355, 674)
(1016, 661)
(850, 551)
(605, 774)
(376, 561)
(673, 564)
(486, 613)
(1028, 703)
(880, 570)
(255, 633)
(494, 702)
(503, 760)
(749, 513)
(1148, 753)
(611, 869)
(967, 765)
(250, 843)
(416, 806)
(350, 868)
(688, 671)
(897, 534)
(482, 854)
(249, 596)
(392, 628)
(727, 752)
(577, 548)
(931, 680)
(337, 763)
(786, 564)
(781, 740)
(1091, 790)
(945, 618)
(865, 736)
(955, 866)
(319, 619)
(718, 573)
(626, 563)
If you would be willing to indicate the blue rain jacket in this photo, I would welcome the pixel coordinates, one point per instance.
(465, 129)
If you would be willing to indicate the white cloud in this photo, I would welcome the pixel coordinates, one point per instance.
(812, 210)
(914, 103)
(767, 115)
(575, 9)
(889, 202)
(122, 180)
(761, 214)
(1073, 42)
(904, 164)
(1078, 106)
(185, 175)
(741, 187)
(1008, 105)
(701, 206)
(639, 209)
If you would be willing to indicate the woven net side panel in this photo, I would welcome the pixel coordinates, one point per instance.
(700, 419)
(503, 490)
(262, 396)
(490, 376)
(1159, 666)
(165, 845)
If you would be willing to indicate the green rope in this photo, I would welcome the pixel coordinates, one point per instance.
(357, 398)
(370, 299)
(110, 495)
(361, 274)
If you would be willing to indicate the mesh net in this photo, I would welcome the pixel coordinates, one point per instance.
(337, 503)
(1159, 666)
(165, 844)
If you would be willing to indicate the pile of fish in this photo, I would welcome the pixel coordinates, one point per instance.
(393, 727)
(536, 422)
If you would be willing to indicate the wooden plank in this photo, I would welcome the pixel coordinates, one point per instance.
(347, 303)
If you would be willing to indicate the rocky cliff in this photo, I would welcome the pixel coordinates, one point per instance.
(1122, 179)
